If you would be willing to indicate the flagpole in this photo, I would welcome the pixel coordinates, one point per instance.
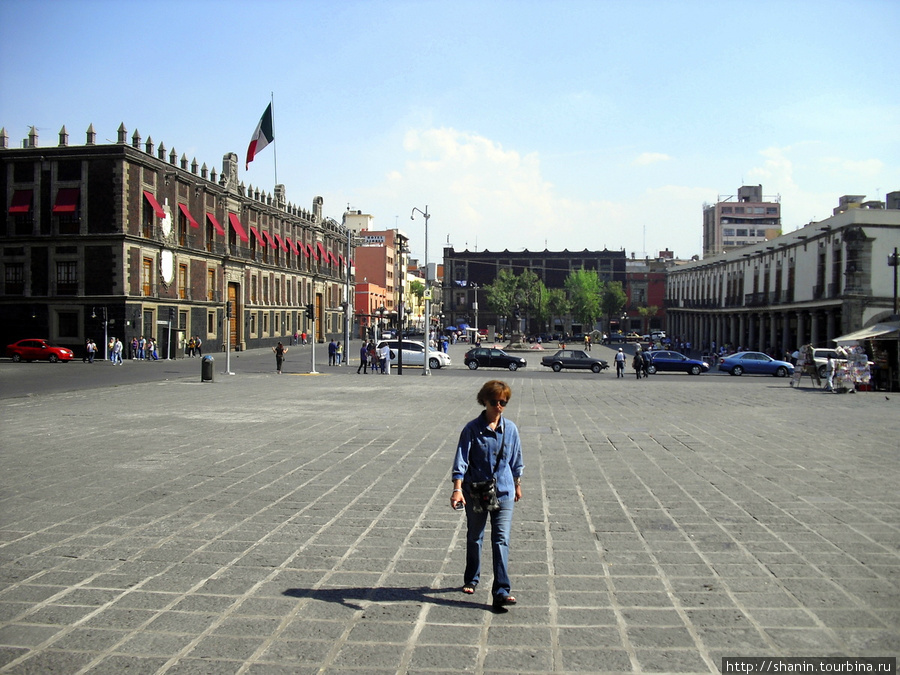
(274, 137)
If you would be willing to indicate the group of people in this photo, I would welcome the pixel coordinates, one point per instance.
(193, 347)
(371, 357)
(335, 353)
(640, 362)
(144, 349)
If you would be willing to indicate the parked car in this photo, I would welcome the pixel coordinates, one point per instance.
(616, 337)
(755, 363)
(573, 358)
(36, 349)
(820, 356)
(663, 361)
(488, 357)
(414, 354)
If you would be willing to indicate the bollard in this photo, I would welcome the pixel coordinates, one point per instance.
(206, 369)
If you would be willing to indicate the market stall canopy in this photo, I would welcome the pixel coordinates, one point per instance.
(879, 330)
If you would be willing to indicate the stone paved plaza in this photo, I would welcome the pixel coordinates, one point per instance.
(301, 524)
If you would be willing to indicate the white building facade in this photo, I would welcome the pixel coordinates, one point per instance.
(808, 286)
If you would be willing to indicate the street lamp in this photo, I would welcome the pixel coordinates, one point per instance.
(380, 312)
(893, 262)
(426, 370)
(105, 331)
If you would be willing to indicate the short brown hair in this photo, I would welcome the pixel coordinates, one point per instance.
(493, 389)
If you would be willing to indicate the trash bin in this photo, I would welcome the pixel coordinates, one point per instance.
(206, 369)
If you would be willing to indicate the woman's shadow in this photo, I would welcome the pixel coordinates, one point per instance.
(352, 596)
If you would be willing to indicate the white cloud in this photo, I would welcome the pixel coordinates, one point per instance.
(647, 158)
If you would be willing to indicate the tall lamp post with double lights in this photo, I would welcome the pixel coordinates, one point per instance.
(426, 370)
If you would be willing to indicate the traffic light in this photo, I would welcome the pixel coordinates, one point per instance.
(310, 311)
(228, 310)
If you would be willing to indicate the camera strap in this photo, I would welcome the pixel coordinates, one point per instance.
(499, 454)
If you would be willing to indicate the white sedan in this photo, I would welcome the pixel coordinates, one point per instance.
(414, 354)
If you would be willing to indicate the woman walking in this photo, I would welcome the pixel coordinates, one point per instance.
(280, 350)
(486, 475)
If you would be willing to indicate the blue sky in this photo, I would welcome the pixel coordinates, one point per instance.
(519, 124)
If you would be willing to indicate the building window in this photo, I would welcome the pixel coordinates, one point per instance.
(278, 291)
(265, 291)
(253, 323)
(15, 279)
(741, 233)
(67, 277)
(772, 210)
(182, 321)
(182, 281)
(727, 209)
(738, 209)
(265, 323)
(210, 323)
(209, 236)
(182, 228)
(67, 324)
(147, 216)
(253, 284)
(211, 285)
(147, 276)
(728, 232)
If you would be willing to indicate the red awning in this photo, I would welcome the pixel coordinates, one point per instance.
(270, 240)
(290, 242)
(155, 204)
(67, 200)
(341, 258)
(215, 223)
(237, 227)
(306, 249)
(284, 247)
(334, 261)
(323, 254)
(187, 214)
(21, 201)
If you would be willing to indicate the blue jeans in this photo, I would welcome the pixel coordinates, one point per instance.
(501, 526)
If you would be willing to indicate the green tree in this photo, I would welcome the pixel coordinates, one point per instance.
(417, 288)
(501, 294)
(612, 299)
(557, 304)
(646, 313)
(584, 289)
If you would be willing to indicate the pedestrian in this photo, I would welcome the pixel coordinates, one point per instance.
(646, 362)
(384, 357)
(280, 350)
(339, 353)
(303, 337)
(134, 347)
(587, 342)
(363, 359)
(111, 350)
(117, 353)
(142, 345)
(487, 471)
(89, 350)
(829, 374)
(190, 347)
(620, 363)
(637, 363)
(197, 344)
(374, 361)
(332, 351)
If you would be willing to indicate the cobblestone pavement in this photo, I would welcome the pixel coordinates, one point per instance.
(301, 524)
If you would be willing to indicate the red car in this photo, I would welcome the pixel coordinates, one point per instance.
(38, 350)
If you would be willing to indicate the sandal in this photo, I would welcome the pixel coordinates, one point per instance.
(502, 601)
(469, 589)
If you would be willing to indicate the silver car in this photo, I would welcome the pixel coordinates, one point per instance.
(414, 354)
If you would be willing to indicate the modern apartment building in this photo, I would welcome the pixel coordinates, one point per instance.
(738, 220)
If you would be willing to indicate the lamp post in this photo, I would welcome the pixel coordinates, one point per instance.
(426, 370)
(106, 330)
(893, 262)
(379, 312)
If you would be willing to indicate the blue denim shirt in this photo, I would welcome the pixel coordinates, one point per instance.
(476, 454)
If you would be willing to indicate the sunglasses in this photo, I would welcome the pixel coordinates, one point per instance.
(499, 402)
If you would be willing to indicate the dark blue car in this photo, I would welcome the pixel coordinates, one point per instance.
(672, 362)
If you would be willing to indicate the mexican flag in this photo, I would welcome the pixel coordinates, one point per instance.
(263, 135)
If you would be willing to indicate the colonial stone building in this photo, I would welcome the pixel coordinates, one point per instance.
(809, 286)
(128, 239)
(466, 273)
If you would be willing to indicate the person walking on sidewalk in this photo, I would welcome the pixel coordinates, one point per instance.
(620, 363)
(487, 471)
(638, 363)
(280, 350)
(363, 358)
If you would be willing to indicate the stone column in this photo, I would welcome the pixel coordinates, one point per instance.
(814, 328)
(801, 330)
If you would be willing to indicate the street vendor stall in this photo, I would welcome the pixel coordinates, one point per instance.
(881, 345)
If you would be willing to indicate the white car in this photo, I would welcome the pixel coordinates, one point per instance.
(414, 354)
